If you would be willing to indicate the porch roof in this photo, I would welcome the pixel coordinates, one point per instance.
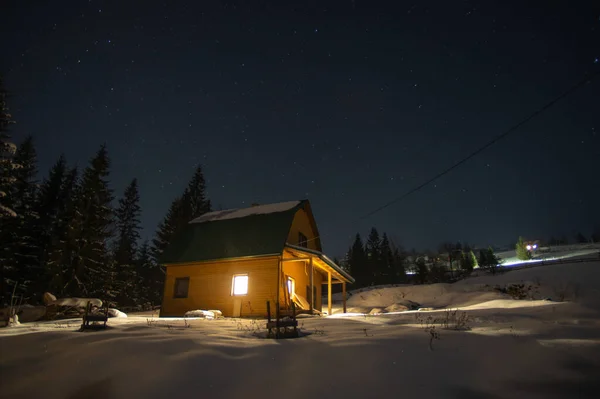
(327, 263)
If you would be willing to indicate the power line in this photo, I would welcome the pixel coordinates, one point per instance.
(487, 145)
(571, 90)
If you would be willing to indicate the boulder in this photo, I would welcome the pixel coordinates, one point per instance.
(115, 313)
(28, 313)
(48, 298)
(397, 307)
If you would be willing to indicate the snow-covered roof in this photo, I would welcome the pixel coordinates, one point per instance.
(244, 212)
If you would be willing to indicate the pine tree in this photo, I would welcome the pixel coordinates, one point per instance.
(399, 270)
(190, 205)
(488, 260)
(194, 197)
(20, 232)
(421, 272)
(61, 245)
(358, 262)
(91, 272)
(386, 263)
(7, 152)
(150, 277)
(522, 252)
(373, 252)
(48, 205)
(128, 230)
(172, 222)
(467, 261)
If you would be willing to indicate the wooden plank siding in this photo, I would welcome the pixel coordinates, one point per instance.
(302, 224)
(211, 283)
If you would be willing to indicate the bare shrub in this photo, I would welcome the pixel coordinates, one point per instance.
(567, 291)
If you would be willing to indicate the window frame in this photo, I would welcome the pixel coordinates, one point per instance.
(291, 287)
(302, 240)
(233, 284)
(187, 287)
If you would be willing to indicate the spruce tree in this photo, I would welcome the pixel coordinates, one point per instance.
(48, 205)
(172, 222)
(399, 270)
(522, 252)
(18, 253)
(61, 248)
(373, 252)
(21, 231)
(194, 197)
(91, 272)
(128, 234)
(150, 277)
(7, 152)
(190, 205)
(386, 262)
(358, 262)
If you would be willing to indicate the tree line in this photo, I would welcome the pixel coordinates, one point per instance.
(378, 261)
(68, 234)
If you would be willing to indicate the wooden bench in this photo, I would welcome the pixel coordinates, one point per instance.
(280, 327)
(89, 317)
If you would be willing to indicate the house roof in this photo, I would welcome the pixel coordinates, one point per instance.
(234, 233)
(244, 212)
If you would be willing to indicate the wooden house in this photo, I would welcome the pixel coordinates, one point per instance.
(236, 260)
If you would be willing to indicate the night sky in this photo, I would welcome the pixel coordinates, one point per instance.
(349, 104)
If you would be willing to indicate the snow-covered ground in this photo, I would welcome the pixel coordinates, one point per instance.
(513, 349)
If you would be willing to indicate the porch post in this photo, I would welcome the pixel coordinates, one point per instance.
(329, 293)
(312, 290)
(344, 295)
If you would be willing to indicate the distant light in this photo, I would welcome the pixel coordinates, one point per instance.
(534, 246)
(529, 247)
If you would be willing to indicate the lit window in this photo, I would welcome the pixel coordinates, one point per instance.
(291, 285)
(240, 284)
(181, 287)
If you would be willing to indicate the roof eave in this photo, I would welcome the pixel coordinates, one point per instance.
(325, 259)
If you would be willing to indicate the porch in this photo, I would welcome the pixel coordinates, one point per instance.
(304, 273)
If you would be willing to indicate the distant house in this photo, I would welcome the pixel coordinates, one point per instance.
(236, 260)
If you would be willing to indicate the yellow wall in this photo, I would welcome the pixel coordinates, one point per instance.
(302, 224)
(300, 272)
(211, 283)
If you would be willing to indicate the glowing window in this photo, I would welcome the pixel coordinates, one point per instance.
(291, 285)
(240, 284)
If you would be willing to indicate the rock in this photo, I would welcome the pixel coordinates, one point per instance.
(115, 313)
(397, 307)
(29, 313)
(216, 313)
(48, 298)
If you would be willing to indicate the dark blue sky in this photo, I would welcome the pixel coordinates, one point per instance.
(349, 104)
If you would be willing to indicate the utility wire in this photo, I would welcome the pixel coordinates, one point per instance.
(487, 145)
(571, 90)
